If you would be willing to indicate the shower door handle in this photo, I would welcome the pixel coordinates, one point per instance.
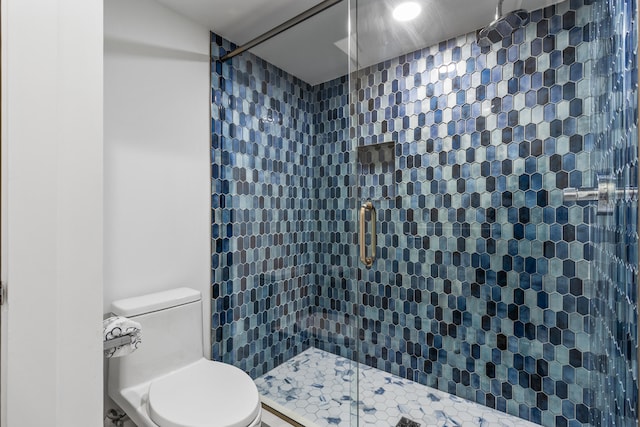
(367, 260)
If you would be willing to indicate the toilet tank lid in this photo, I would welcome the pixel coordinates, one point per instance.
(154, 302)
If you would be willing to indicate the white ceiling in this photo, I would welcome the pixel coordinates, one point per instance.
(312, 50)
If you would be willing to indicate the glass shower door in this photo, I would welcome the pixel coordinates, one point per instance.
(491, 282)
(613, 250)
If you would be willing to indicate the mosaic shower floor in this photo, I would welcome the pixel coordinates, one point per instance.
(312, 388)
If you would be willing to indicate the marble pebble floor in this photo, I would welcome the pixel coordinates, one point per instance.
(315, 388)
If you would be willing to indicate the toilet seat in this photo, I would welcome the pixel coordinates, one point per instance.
(204, 394)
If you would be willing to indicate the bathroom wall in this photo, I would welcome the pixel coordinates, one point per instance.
(333, 324)
(614, 237)
(156, 149)
(157, 183)
(262, 210)
(51, 213)
(282, 210)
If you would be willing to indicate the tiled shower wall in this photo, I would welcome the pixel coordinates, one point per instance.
(479, 284)
(334, 325)
(262, 212)
(614, 270)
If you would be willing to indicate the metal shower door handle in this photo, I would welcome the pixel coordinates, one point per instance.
(606, 194)
(368, 261)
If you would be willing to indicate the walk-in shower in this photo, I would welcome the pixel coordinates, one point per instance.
(496, 167)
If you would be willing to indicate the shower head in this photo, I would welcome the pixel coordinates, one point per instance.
(502, 26)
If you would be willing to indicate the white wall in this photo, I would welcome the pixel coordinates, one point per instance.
(52, 66)
(157, 179)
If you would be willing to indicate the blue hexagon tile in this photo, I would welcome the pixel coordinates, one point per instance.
(262, 204)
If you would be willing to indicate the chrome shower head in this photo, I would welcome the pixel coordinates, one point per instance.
(502, 26)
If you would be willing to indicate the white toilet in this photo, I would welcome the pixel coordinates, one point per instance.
(167, 382)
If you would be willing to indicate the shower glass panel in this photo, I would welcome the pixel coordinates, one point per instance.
(283, 221)
(613, 247)
(490, 282)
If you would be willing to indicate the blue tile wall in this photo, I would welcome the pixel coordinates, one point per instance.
(615, 237)
(486, 285)
(334, 326)
(262, 212)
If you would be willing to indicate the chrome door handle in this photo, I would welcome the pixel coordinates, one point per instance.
(367, 260)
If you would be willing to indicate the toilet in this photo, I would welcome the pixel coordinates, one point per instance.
(167, 382)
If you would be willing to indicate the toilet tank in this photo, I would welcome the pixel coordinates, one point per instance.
(171, 336)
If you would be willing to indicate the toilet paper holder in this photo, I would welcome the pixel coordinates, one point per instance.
(117, 342)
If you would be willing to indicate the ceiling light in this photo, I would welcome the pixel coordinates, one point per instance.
(406, 11)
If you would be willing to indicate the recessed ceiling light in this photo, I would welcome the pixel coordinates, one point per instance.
(406, 11)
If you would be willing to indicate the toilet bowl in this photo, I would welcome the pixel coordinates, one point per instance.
(167, 382)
